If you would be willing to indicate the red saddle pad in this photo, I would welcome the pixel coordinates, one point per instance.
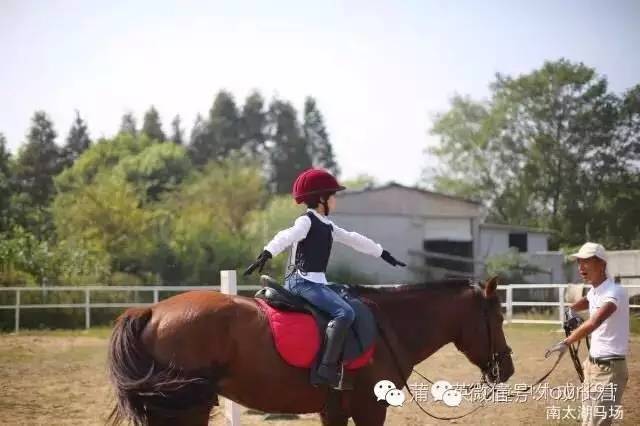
(297, 339)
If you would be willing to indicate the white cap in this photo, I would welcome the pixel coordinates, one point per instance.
(590, 250)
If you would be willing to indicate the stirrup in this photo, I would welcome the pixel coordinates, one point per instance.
(345, 383)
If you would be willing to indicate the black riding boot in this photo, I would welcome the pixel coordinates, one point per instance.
(329, 369)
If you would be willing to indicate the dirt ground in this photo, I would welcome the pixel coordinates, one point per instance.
(59, 378)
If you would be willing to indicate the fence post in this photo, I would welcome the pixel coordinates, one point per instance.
(228, 285)
(561, 304)
(17, 310)
(155, 295)
(509, 304)
(87, 309)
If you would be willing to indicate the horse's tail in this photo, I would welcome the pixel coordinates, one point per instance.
(142, 386)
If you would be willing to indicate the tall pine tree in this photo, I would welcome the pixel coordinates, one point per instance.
(5, 184)
(152, 126)
(289, 152)
(199, 146)
(253, 124)
(129, 124)
(38, 162)
(224, 125)
(78, 140)
(317, 137)
(219, 135)
(177, 135)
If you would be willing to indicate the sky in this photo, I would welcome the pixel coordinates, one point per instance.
(379, 71)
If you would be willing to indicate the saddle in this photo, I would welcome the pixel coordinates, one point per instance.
(298, 327)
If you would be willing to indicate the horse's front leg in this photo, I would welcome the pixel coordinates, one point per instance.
(368, 413)
(333, 413)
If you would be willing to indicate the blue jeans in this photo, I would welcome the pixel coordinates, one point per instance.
(320, 296)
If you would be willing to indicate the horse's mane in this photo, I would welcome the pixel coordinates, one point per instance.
(450, 285)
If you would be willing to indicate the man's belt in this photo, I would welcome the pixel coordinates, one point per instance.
(606, 360)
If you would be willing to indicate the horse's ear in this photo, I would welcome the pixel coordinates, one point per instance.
(490, 286)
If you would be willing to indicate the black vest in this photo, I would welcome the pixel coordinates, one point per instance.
(312, 253)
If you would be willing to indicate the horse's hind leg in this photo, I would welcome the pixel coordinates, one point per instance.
(195, 416)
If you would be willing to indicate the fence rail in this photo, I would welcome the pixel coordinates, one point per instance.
(88, 305)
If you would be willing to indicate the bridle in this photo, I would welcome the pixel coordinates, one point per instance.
(495, 357)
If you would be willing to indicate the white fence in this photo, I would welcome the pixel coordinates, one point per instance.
(89, 305)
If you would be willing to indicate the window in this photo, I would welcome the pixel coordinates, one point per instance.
(451, 255)
(519, 241)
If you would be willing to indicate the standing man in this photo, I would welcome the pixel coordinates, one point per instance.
(605, 370)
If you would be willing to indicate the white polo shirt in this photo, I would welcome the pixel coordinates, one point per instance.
(612, 336)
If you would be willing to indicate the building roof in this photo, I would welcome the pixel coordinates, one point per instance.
(410, 188)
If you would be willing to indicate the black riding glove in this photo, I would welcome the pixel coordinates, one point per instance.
(259, 263)
(386, 256)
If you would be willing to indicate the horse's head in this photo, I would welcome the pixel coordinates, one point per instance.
(482, 339)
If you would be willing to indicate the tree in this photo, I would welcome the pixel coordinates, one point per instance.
(209, 217)
(317, 137)
(5, 184)
(39, 160)
(151, 125)
(129, 124)
(288, 150)
(198, 144)
(253, 124)
(155, 170)
(223, 125)
(177, 135)
(78, 140)
(542, 151)
(362, 181)
(108, 218)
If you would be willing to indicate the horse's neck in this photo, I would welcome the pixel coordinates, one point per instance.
(423, 321)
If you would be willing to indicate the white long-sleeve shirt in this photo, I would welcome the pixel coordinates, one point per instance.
(299, 230)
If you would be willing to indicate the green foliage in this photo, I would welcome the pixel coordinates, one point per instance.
(343, 274)
(103, 156)
(208, 215)
(5, 184)
(106, 217)
(78, 140)
(551, 149)
(133, 209)
(39, 160)
(289, 151)
(361, 181)
(512, 267)
(219, 135)
(177, 135)
(254, 125)
(156, 169)
(129, 124)
(317, 137)
(151, 125)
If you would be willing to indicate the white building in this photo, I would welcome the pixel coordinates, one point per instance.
(435, 234)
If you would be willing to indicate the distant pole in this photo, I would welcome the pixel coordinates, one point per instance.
(228, 285)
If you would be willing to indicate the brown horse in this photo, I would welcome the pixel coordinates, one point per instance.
(168, 362)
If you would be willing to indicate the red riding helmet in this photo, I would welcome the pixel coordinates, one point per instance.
(314, 182)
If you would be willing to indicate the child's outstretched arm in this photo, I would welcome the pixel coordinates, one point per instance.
(364, 245)
(282, 240)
